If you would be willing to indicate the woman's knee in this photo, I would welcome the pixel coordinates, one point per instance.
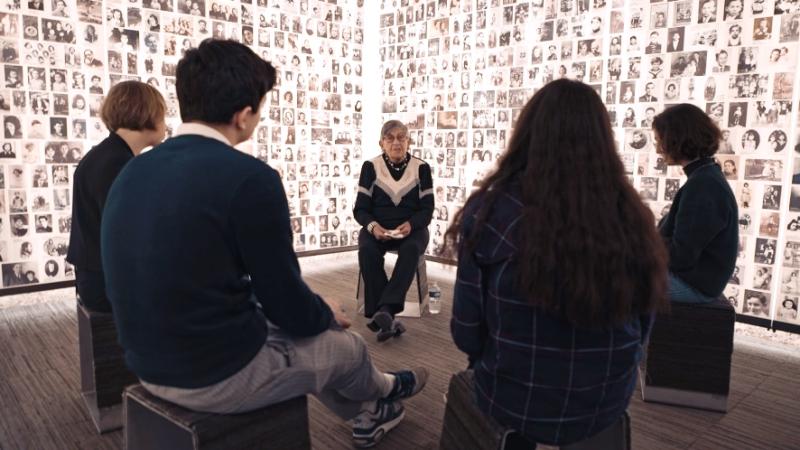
(369, 250)
(410, 249)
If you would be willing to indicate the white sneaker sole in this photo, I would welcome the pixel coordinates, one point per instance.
(379, 433)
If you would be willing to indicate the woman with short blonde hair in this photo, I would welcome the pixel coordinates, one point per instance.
(134, 106)
(134, 114)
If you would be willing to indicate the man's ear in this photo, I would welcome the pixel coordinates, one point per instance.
(240, 117)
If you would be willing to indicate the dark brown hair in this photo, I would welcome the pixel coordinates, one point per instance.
(686, 133)
(220, 78)
(588, 249)
(133, 105)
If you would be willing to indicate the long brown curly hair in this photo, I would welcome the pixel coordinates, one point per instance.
(588, 247)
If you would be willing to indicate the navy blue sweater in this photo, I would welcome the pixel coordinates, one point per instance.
(183, 224)
(701, 230)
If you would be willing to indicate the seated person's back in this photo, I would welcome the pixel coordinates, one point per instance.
(175, 260)
(701, 229)
(206, 290)
(134, 114)
(559, 275)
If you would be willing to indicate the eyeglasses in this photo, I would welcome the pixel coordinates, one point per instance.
(389, 138)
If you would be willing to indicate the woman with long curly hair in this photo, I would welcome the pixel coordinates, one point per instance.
(560, 272)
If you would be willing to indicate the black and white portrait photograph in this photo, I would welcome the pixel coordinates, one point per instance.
(756, 303)
(765, 251)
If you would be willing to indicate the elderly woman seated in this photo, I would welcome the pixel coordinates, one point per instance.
(394, 206)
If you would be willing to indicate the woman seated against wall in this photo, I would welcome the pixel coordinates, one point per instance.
(701, 230)
(560, 271)
(395, 206)
(134, 114)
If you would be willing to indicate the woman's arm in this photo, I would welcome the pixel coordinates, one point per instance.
(422, 217)
(700, 217)
(467, 324)
(362, 210)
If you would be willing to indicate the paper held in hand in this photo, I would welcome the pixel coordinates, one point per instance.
(394, 234)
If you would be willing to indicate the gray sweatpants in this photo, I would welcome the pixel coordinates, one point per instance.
(334, 366)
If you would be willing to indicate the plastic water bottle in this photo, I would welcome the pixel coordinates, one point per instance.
(434, 298)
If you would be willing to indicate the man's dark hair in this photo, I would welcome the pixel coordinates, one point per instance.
(220, 78)
(686, 133)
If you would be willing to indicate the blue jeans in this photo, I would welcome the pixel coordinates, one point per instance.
(679, 291)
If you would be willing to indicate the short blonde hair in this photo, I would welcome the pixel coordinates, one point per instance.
(133, 105)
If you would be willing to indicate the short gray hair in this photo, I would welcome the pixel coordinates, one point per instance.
(391, 125)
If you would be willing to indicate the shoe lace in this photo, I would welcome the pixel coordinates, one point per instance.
(405, 383)
(361, 421)
(366, 418)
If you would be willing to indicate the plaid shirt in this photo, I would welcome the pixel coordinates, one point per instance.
(537, 374)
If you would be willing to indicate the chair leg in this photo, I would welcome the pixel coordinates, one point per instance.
(360, 293)
(626, 423)
(422, 284)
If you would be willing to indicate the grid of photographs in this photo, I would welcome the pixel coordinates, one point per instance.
(459, 71)
(59, 58)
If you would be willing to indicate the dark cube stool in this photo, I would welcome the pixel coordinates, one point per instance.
(104, 374)
(466, 427)
(688, 360)
(411, 309)
(155, 424)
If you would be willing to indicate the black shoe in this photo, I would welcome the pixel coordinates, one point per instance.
(396, 330)
(372, 326)
(399, 328)
(385, 324)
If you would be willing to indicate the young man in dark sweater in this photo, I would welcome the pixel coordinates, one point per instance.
(701, 230)
(206, 289)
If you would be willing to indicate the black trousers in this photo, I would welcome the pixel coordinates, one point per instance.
(379, 290)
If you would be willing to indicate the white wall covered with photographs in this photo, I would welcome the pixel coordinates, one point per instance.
(59, 57)
(458, 72)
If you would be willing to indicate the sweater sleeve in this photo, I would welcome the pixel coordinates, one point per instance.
(106, 179)
(698, 220)
(362, 210)
(260, 220)
(467, 324)
(422, 217)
